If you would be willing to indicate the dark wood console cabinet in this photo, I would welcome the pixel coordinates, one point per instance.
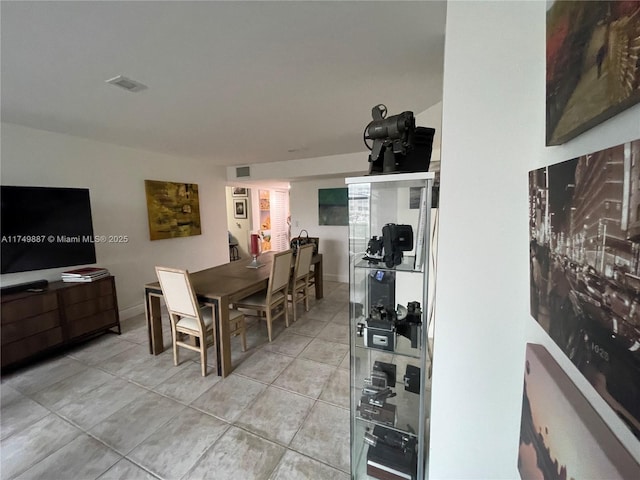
(64, 313)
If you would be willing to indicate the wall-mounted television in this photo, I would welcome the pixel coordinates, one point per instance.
(45, 227)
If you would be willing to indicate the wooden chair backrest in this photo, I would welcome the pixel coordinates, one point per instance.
(280, 272)
(303, 262)
(178, 293)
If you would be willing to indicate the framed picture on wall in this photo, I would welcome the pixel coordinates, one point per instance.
(584, 269)
(173, 209)
(592, 64)
(561, 434)
(239, 191)
(240, 209)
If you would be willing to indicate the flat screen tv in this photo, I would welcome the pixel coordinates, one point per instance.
(45, 227)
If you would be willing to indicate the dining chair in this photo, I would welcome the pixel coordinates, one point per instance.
(299, 284)
(189, 318)
(267, 301)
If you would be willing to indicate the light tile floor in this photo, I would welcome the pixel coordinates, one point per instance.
(107, 409)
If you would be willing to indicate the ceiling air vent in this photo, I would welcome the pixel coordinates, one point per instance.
(242, 172)
(126, 83)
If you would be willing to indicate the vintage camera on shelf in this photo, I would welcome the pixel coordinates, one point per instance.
(388, 249)
(379, 329)
(377, 380)
(385, 414)
(382, 325)
(375, 393)
(412, 379)
(377, 387)
(391, 454)
(388, 370)
(391, 438)
(396, 239)
(374, 250)
(408, 322)
(376, 397)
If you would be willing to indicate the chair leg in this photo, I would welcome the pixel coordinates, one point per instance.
(243, 336)
(269, 323)
(174, 340)
(286, 315)
(293, 305)
(203, 355)
(306, 298)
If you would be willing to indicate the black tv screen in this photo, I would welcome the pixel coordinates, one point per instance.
(45, 227)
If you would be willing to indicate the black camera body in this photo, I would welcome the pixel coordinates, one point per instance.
(374, 248)
(396, 239)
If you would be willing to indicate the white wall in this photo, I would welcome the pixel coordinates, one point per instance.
(115, 177)
(493, 134)
(334, 240)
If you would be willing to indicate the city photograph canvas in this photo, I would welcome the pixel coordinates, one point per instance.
(584, 225)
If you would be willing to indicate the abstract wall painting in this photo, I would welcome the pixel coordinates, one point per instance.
(333, 206)
(593, 71)
(584, 224)
(561, 435)
(173, 209)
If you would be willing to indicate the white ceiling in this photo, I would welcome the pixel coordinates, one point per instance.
(230, 82)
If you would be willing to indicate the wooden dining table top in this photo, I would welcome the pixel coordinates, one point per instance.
(230, 278)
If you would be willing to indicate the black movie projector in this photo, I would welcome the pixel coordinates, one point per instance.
(397, 144)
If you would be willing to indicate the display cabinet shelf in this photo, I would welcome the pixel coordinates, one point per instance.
(389, 327)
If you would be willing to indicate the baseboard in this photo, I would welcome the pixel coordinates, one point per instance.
(332, 277)
(131, 312)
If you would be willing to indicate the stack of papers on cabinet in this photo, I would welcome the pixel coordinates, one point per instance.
(87, 274)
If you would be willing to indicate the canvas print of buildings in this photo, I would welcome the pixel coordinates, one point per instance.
(593, 71)
(561, 436)
(584, 219)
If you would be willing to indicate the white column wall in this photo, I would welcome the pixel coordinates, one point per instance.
(493, 135)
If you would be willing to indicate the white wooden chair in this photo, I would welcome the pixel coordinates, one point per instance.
(188, 318)
(275, 295)
(299, 286)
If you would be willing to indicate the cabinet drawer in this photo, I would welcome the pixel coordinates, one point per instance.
(90, 307)
(22, 349)
(14, 331)
(87, 291)
(92, 323)
(26, 307)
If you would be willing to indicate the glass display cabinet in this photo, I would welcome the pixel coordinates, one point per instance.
(389, 249)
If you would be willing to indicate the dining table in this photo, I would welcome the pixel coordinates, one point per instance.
(218, 287)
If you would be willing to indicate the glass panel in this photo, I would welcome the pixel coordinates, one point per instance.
(388, 321)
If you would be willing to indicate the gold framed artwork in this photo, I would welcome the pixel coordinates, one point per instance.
(173, 209)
